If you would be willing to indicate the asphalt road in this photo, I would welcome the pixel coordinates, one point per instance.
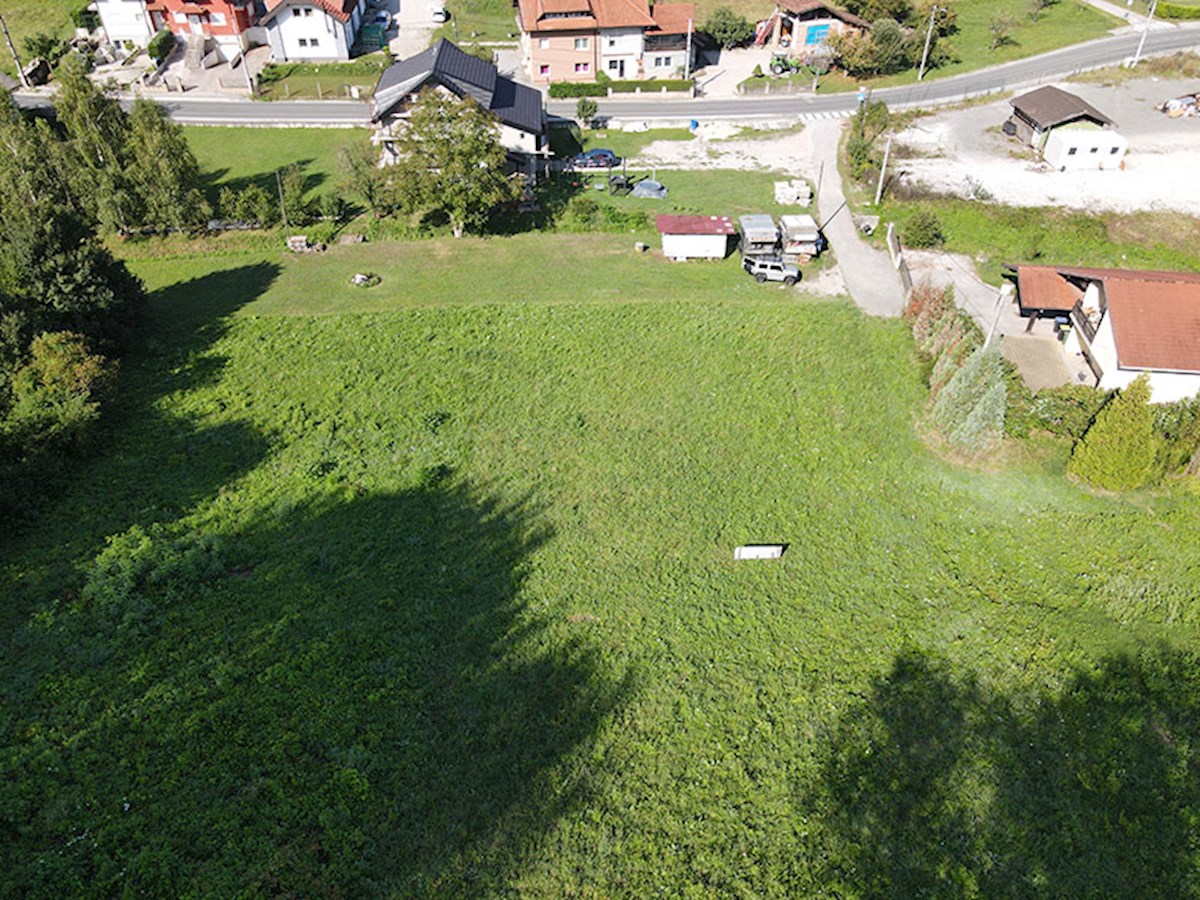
(1048, 66)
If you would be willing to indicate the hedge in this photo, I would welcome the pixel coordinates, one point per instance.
(1178, 11)
(564, 89)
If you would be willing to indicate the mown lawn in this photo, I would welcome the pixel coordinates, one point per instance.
(435, 596)
(25, 18)
(235, 157)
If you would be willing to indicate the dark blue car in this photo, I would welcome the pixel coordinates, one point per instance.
(598, 158)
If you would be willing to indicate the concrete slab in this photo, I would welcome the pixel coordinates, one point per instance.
(1038, 360)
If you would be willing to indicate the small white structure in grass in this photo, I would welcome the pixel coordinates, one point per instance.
(759, 551)
(1084, 146)
(695, 237)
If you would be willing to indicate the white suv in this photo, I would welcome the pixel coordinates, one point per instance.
(771, 268)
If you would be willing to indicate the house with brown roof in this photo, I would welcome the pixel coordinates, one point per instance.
(312, 29)
(573, 40)
(1069, 132)
(1123, 321)
(799, 26)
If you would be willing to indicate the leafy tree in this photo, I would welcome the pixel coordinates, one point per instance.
(586, 109)
(164, 172)
(253, 204)
(1120, 451)
(728, 28)
(47, 46)
(161, 45)
(888, 47)
(451, 162)
(874, 10)
(945, 20)
(293, 183)
(55, 396)
(97, 132)
(1001, 28)
(363, 177)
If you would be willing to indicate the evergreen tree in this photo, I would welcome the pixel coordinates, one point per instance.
(968, 386)
(164, 172)
(451, 162)
(1120, 451)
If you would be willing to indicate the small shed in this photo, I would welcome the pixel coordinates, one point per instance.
(801, 238)
(1084, 146)
(1039, 112)
(695, 237)
(760, 235)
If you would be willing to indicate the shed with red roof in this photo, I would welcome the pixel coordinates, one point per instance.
(695, 237)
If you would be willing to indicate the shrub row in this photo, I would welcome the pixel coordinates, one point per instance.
(566, 89)
(1177, 11)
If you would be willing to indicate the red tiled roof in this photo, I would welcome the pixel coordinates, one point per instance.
(1155, 315)
(622, 13)
(673, 18)
(548, 15)
(695, 225)
(339, 9)
(1156, 324)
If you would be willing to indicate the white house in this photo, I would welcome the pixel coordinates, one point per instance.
(312, 29)
(1124, 322)
(695, 237)
(125, 20)
(1083, 145)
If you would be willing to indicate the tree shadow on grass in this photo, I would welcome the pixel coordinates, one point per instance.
(214, 180)
(358, 701)
(935, 785)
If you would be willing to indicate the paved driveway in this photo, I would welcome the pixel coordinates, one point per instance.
(413, 28)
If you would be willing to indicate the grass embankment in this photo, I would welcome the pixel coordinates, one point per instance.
(440, 600)
(1171, 67)
(994, 235)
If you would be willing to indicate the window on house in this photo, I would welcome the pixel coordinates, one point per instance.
(1072, 151)
(581, 67)
(308, 10)
(543, 70)
(217, 18)
(1094, 150)
(613, 65)
(312, 42)
(543, 43)
(662, 62)
(581, 43)
(303, 42)
(612, 42)
(1113, 150)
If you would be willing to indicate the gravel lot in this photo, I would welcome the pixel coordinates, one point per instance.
(962, 150)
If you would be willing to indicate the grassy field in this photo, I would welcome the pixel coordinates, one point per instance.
(237, 156)
(428, 590)
(311, 81)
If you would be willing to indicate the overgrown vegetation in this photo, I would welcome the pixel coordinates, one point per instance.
(1120, 450)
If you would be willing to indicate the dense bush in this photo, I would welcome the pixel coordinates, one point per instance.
(1178, 427)
(969, 410)
(568, 89)
(922, 230)
(1120, 451)
(251, 205)
(1066, 411)
(582, 213)
(728, 28)
(1178, 11)
(160, 46)
(944, 334)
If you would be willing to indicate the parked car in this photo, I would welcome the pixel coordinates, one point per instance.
(597, 158)
(383, 19)
(649, 190)
(438, 14)
(771, 268)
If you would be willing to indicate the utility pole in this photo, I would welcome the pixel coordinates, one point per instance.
(687, 61)
(282, 207)
(928, 40)
(13, 51)
(1145, 31)
(883, 169)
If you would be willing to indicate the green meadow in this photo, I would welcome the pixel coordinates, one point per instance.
(428, 589)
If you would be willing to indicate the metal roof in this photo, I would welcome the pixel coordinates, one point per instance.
(695, 225)
(1049, 106)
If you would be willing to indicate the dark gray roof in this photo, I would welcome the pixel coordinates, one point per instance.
(465, 75)
(1048, 106)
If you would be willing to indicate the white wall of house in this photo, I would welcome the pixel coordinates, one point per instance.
(125, 20)
(305, 31)
(1165, 387)
(517, 140)
(695, 246)
(620, 47)
(1074, 148)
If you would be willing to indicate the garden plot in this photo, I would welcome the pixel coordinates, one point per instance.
(963, 153)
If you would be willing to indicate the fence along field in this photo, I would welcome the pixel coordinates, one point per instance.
(442, 600)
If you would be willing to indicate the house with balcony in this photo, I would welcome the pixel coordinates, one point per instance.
(221, 24)
(573, 40)
(125, 20)
(1124, 322)
(312, 29)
